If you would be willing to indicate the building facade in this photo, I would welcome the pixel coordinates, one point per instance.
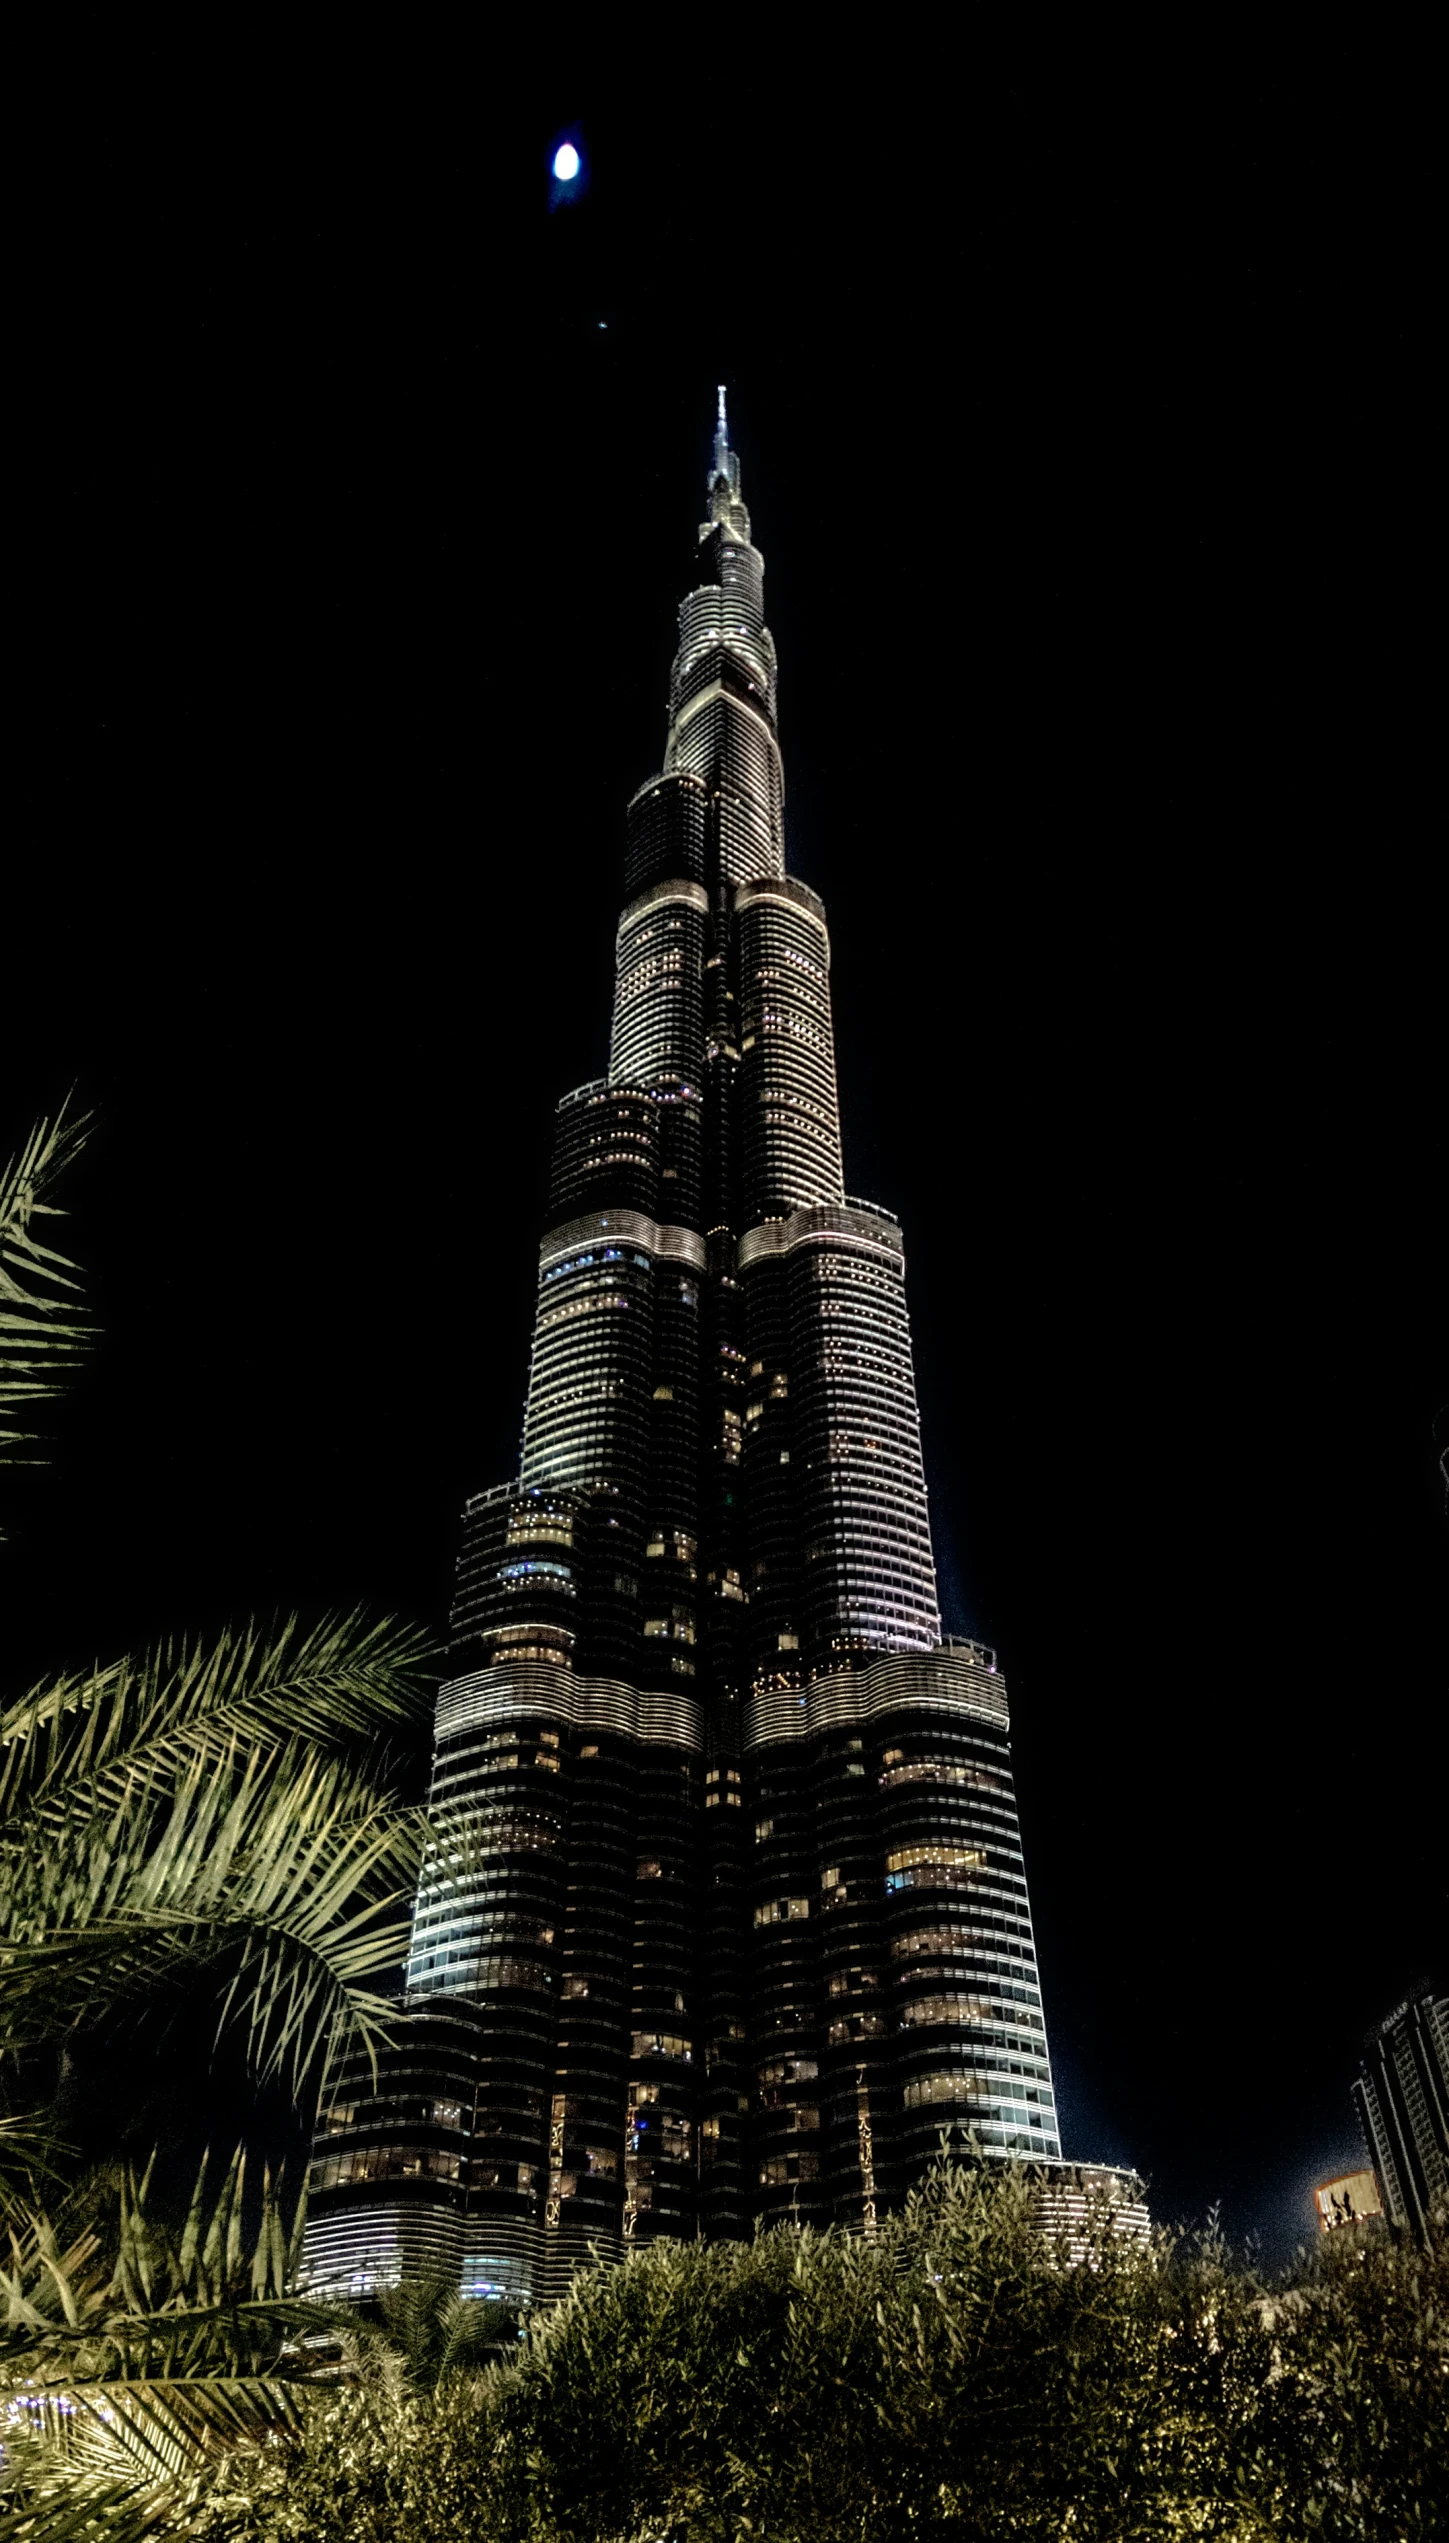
(727, 1915)
(1402, 2098)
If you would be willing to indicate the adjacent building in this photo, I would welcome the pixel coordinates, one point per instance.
(1402, 2099)
(728, 1915)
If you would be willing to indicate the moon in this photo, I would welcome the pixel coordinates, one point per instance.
(566, 163)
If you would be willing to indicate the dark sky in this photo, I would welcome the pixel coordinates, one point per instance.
(1088, 457)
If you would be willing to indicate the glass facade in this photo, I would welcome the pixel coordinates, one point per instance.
(1402, 2099)
(727, 1915)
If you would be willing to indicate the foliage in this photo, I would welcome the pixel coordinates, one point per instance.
(42, 1334)
(207, 1804)
(135, 2363)
(218, 1814)
(959, 2376)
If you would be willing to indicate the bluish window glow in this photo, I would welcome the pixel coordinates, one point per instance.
(566, 163)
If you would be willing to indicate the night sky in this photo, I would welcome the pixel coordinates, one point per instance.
(1090, 469)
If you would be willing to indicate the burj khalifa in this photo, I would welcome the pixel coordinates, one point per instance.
(724, 1914)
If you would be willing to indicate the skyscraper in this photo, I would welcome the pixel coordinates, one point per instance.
(1402, 2098)
(727, 1914)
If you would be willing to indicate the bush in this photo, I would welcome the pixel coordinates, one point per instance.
(955, 2377)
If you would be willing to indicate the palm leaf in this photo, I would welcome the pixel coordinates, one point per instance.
(42, 1336)
(193, 1807)
(135, 2363)
(284, 1861)
(343, 1681)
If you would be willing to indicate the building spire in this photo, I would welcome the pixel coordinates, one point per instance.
(725, 505)
(721, 440)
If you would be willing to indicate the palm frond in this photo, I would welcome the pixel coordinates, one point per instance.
(28, 2150)
(345, 1680)
(283, 1862)
(134, 2363)
(42, 1334)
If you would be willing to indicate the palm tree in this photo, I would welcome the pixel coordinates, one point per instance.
(220, 1814)
(137, 2364)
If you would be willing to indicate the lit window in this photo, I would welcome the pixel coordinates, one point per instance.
(790, 2070)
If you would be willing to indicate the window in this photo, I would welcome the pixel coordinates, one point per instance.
(790, 2070)
(933, 1866)
(782, 1911)
(446, 2114)
(575, 1987)
(937, 1770)
(947, 2008)
(857, 2026)
(646, 1869)
(590, 1748)
(941, 2088)
(661, 2044)
(763, 1828)
(385, 2163)
(788, 2167)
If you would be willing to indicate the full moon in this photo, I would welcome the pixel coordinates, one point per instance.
(566, 163)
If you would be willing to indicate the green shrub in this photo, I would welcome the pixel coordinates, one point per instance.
(956, 2377)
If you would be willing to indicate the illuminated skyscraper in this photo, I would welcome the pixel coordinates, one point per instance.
(732, 1916)
(1402, 2099)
